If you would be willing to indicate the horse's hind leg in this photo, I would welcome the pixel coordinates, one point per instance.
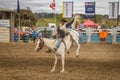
(63, 63)
(56, 59)
(78, 48)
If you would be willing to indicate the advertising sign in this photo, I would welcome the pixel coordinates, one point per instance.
(90, 9)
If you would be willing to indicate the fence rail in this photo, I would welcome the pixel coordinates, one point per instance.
(89, 35)
(92, 35)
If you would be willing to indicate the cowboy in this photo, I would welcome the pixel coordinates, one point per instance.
(61, 31)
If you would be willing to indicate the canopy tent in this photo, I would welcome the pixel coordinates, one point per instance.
(90, 23)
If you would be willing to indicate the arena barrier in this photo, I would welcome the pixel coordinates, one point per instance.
(90, 35)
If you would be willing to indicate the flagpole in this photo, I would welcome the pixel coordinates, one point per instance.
(19, 27)
(18, 11)
(55, 17)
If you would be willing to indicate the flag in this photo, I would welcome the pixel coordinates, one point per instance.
(52, 5)
(18, 6)
(113, 9)
(67, 9)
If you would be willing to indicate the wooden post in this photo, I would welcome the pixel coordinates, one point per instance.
(114, 35)
(88, 34)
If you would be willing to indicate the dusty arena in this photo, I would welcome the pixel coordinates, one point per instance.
(96, 61)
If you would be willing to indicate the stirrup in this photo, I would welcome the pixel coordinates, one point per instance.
(54, 49)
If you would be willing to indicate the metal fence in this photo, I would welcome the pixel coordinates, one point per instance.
(89, 35)
(92, 35)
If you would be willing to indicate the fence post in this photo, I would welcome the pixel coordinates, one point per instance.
(114, 34)
(88, 34)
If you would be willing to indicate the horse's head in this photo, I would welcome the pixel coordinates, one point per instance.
(39, 45)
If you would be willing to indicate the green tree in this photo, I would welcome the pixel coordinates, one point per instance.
(26, 18)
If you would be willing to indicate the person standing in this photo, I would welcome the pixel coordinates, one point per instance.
(103, 36)
(103, 26)
(39, 35)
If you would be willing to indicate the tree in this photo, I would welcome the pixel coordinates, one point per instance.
(26, 18)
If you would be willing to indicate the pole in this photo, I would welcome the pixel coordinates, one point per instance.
(118, 15)
(18, 27)
(18, 10)
(55, 17)
(94, 15)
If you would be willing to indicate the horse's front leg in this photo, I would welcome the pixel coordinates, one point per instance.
(63, 63)
(55, 62)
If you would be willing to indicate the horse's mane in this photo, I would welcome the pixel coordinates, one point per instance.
(76, 21)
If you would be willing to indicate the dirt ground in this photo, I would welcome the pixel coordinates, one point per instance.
(18, 61)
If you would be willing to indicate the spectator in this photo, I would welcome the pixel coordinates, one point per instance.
(103, 26)
(45, 33)
(15, 31)
(81, 26)
(34, 36)
(39, 35)
(103, 36)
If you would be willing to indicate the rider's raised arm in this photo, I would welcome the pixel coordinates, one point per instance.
(70, 23)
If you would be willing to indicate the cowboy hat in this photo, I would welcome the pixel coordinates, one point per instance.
(63, 20)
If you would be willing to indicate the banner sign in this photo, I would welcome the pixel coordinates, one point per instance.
(67, 9)
(113, 9)
(90, 9)
(4, 23)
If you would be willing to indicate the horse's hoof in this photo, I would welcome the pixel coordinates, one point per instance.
(68, 52)
(52, 70)
(62, 71)
(77, 55)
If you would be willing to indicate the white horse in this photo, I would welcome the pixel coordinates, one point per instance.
(73, 36)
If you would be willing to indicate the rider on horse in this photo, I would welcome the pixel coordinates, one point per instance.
(61, 32)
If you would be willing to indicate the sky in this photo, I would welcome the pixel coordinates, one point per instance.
(102, 6)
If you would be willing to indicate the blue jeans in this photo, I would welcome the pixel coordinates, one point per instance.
(58, 43)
